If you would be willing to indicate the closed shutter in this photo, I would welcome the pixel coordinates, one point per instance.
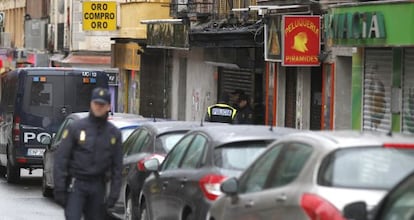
(232, 79)
(408, 92)
(377, 90)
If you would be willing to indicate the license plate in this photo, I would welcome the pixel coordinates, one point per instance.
(35, 152)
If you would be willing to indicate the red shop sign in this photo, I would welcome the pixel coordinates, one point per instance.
(301, 40)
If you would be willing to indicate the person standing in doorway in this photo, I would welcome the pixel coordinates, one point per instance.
(244, 112)
(89, 151)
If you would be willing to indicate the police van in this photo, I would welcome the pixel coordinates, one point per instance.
(34, 102)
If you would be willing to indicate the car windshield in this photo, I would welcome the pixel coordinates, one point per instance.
(170, 139)
(366, 168)
(238, 156)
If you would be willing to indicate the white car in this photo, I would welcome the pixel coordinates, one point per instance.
(313, 175)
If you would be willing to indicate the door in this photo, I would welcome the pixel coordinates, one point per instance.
(163, 186)
(290, 97)
(48, 160)
(266, 190)
(327, 98)
(188, 179)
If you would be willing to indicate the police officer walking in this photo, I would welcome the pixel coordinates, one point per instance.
(90, 149)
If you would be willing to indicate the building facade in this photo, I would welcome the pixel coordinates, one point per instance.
(377, 36)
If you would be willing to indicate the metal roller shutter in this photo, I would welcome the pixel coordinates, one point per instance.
(232, 79)
(377, 89)
(408, 92)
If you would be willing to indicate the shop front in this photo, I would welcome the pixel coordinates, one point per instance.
(125, 57)
(382, 62)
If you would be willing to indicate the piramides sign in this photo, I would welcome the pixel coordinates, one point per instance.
(301, 40)
(99, 16)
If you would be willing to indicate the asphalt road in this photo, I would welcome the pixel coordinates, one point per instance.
(25, 201)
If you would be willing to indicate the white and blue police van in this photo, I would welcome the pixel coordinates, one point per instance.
(34, 102)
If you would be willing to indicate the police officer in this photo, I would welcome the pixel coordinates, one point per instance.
(90, 149)
(244, 112)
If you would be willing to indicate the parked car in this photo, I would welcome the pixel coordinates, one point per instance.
(125, 122)
(313, 175)
(397, 204)
(34, 102)
(189, 178)
(151, 140)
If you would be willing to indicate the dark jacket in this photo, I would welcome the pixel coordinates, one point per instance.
(90, 148)
(244, 115)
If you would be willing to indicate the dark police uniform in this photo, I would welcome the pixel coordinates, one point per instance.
(244, 115)
(90, 148)
(221, 113)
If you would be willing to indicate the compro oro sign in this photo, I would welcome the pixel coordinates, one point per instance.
(301, 40)
(99, 16)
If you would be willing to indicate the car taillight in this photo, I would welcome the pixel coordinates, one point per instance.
(399, 145)
(140, 164)
(16, 128)
(318, 208)
(210, 185)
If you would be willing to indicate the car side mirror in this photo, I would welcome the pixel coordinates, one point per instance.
(230, 186)
(356, 211)
(152, 165)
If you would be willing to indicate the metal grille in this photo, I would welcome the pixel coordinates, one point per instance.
(377, 90)
(408, 92)
(232, 79)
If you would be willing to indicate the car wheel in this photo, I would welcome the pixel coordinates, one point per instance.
(13, 173)
(144, 212)
(46, 191)
(189, 216)
(3, 171)
(131, 208)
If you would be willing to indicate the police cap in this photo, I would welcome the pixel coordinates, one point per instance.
(101, 95)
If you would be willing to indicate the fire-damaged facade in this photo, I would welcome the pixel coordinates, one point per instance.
(213, 50)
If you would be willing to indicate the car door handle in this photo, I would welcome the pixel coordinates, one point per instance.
(183, 182)
(281, 198)
(164, 185)
(249, 204)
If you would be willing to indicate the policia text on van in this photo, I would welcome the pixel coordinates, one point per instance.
(34, 102)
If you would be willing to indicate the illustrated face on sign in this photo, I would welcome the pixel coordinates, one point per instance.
(300, 41)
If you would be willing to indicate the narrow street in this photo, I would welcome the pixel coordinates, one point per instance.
(25, 201)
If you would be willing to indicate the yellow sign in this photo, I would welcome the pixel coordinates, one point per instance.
(99, 16)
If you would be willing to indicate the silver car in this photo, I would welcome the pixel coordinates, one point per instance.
(313, 175)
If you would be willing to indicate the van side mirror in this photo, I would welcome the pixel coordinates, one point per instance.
(356, 211)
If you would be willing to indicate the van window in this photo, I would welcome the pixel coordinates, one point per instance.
(41, 94)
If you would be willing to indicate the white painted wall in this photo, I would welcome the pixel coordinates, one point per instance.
(201, 85)
(303, 98)
(89, 40)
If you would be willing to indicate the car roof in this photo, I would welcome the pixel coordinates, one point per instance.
(120, 120)
(161, 127)
(352, 138)
(237, 133)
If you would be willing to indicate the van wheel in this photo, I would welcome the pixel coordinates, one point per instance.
(13, 173)
(46, 191)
